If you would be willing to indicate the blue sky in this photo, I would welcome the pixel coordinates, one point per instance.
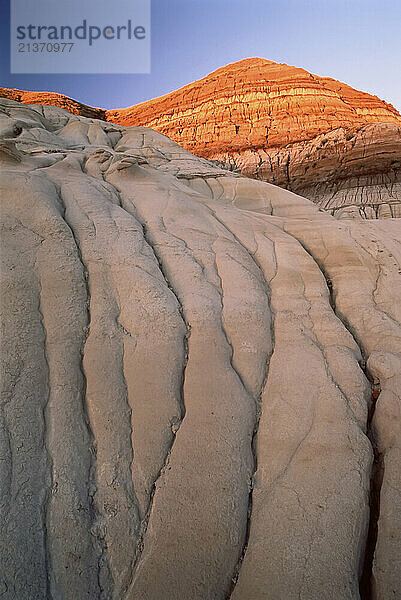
(355, 41)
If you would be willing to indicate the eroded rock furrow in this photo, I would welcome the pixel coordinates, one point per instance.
(176, 424)
(257, 391)
(25, 462)
(366, 586)
(46, 500)
(91, 485)
(376, 478)
(380, 340)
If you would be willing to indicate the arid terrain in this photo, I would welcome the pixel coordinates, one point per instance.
(316, 136)
(201, 378)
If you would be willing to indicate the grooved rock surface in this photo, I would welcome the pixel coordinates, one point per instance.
(201, 377)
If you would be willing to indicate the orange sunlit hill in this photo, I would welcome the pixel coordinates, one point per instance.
(313, 135)
(255, 103)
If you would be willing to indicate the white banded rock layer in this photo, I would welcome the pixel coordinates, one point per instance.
(201, 377)
(349, 174)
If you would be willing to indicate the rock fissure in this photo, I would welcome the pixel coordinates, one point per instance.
(366, 587)
(377, 469)
(48, 491)
(92, 475)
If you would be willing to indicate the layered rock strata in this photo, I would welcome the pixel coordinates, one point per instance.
(314, 135)
(201, 377)
(53, 99)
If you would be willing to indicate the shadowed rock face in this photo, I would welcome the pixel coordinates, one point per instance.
(349, 174)
(201, 377)
(316, 136)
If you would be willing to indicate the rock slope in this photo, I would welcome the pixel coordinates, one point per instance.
(201, 377)
(313, 135)
(53, 99)
(316, 136)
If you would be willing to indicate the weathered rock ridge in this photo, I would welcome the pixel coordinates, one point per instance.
(53, 99)
(201, 377)
(314, 135)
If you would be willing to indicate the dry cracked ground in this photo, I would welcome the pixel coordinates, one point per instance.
(201, 378)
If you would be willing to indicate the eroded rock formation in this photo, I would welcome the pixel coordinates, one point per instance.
(53, 99)
(201, 377)
(316, 136)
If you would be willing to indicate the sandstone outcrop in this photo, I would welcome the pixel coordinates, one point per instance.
(201, 377)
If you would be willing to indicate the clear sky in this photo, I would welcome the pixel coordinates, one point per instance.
(355, 41)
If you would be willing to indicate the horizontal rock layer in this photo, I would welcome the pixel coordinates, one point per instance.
(255, 103)
(201, 377)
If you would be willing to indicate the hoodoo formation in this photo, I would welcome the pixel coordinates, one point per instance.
(201, 375)
(316, 136)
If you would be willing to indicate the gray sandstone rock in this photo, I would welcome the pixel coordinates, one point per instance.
(201, 377)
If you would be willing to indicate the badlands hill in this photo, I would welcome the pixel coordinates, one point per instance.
(201, 377)
(53, 99)
(316, 136)
(313, 135)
